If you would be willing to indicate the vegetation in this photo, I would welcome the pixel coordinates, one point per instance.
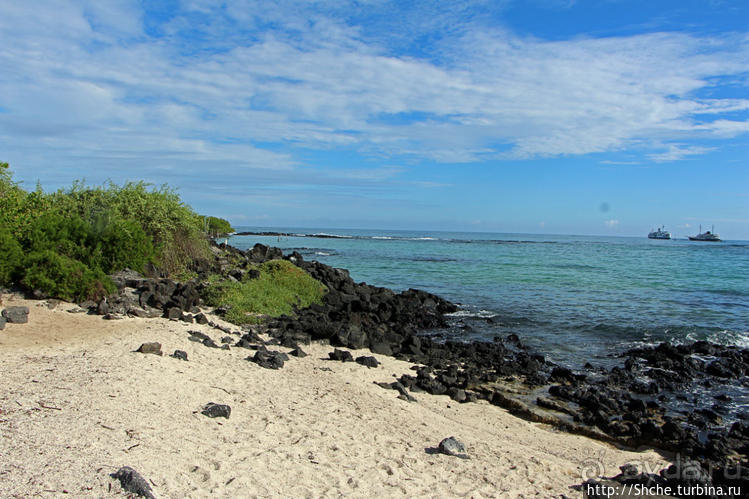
(64, 243)
(218, 226)
(174, 229)
(64, 277)
(11, 257)
(280, 286)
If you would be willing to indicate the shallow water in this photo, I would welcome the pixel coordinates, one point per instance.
(574, 298)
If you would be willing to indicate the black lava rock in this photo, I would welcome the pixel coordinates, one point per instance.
(16, 315)
(368, 361)
(153, 347)
(216, 410)
(180, 354)
(133, 482)
(298, 352)
(342, 355)
(269, 359)
(452, 447)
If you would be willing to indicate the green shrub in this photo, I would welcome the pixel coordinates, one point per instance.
(121, 244)
(67, 235)
(11, 257)
(174, 229)
(62, 277)
(218, 226)
(281, 286)
(103, 228)
(18, 208)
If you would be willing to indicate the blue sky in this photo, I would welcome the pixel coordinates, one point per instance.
(546, 116)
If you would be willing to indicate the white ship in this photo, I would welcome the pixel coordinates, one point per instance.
(659, 234)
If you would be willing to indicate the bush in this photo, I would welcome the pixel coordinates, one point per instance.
(121, 244)
(281, 286)
(173, 227)
(218, 226)
(95, 230)
(11, 257)
(62, 277)
(70, 236)
(18, 208)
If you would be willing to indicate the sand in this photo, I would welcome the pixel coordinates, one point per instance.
(76, 403)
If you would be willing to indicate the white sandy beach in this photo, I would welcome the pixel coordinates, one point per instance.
(76, 403)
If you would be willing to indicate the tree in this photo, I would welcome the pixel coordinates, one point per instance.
(218, 226)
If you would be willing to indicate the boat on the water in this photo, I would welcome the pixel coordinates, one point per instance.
(708, 235)
(659, 234)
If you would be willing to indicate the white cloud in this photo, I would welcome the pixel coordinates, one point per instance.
(611, 224)
(675, 152)
(86, 82)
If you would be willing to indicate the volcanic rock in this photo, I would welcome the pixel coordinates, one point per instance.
(132, 481)
(216, 410)
(269, 359)
(452, 447)
(341, 355)
(368, 361)
(152, 347)
(16, 315)
(180, 354)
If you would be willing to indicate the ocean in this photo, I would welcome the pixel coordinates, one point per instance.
(575, 299)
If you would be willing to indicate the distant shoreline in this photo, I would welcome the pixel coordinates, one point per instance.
(289, 234)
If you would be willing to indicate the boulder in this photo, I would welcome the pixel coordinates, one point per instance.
(180, 354)
(198, 336)
(269, 359)
(341, 355)
(381, 347)
(298, 352)
(457, 394)
(16, 315)
(127, 278)
(132, 481)
(216, 410)
(352, 337)
(368, 361)
(452, 447)
(87, 305)
(173, 313)
(153, 347)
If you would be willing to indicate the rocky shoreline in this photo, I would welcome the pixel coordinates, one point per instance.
(632, 405)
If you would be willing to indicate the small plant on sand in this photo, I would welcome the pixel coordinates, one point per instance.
(280, 287)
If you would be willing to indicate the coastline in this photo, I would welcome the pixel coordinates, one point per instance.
(610, 406)
(314, 428)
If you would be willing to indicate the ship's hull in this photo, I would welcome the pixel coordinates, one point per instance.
(706, 240)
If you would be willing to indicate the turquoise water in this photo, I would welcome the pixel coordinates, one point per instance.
(574, 298)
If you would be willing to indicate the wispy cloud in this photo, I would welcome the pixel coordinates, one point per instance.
(246, 85)
(611, 224)
(676, 152)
